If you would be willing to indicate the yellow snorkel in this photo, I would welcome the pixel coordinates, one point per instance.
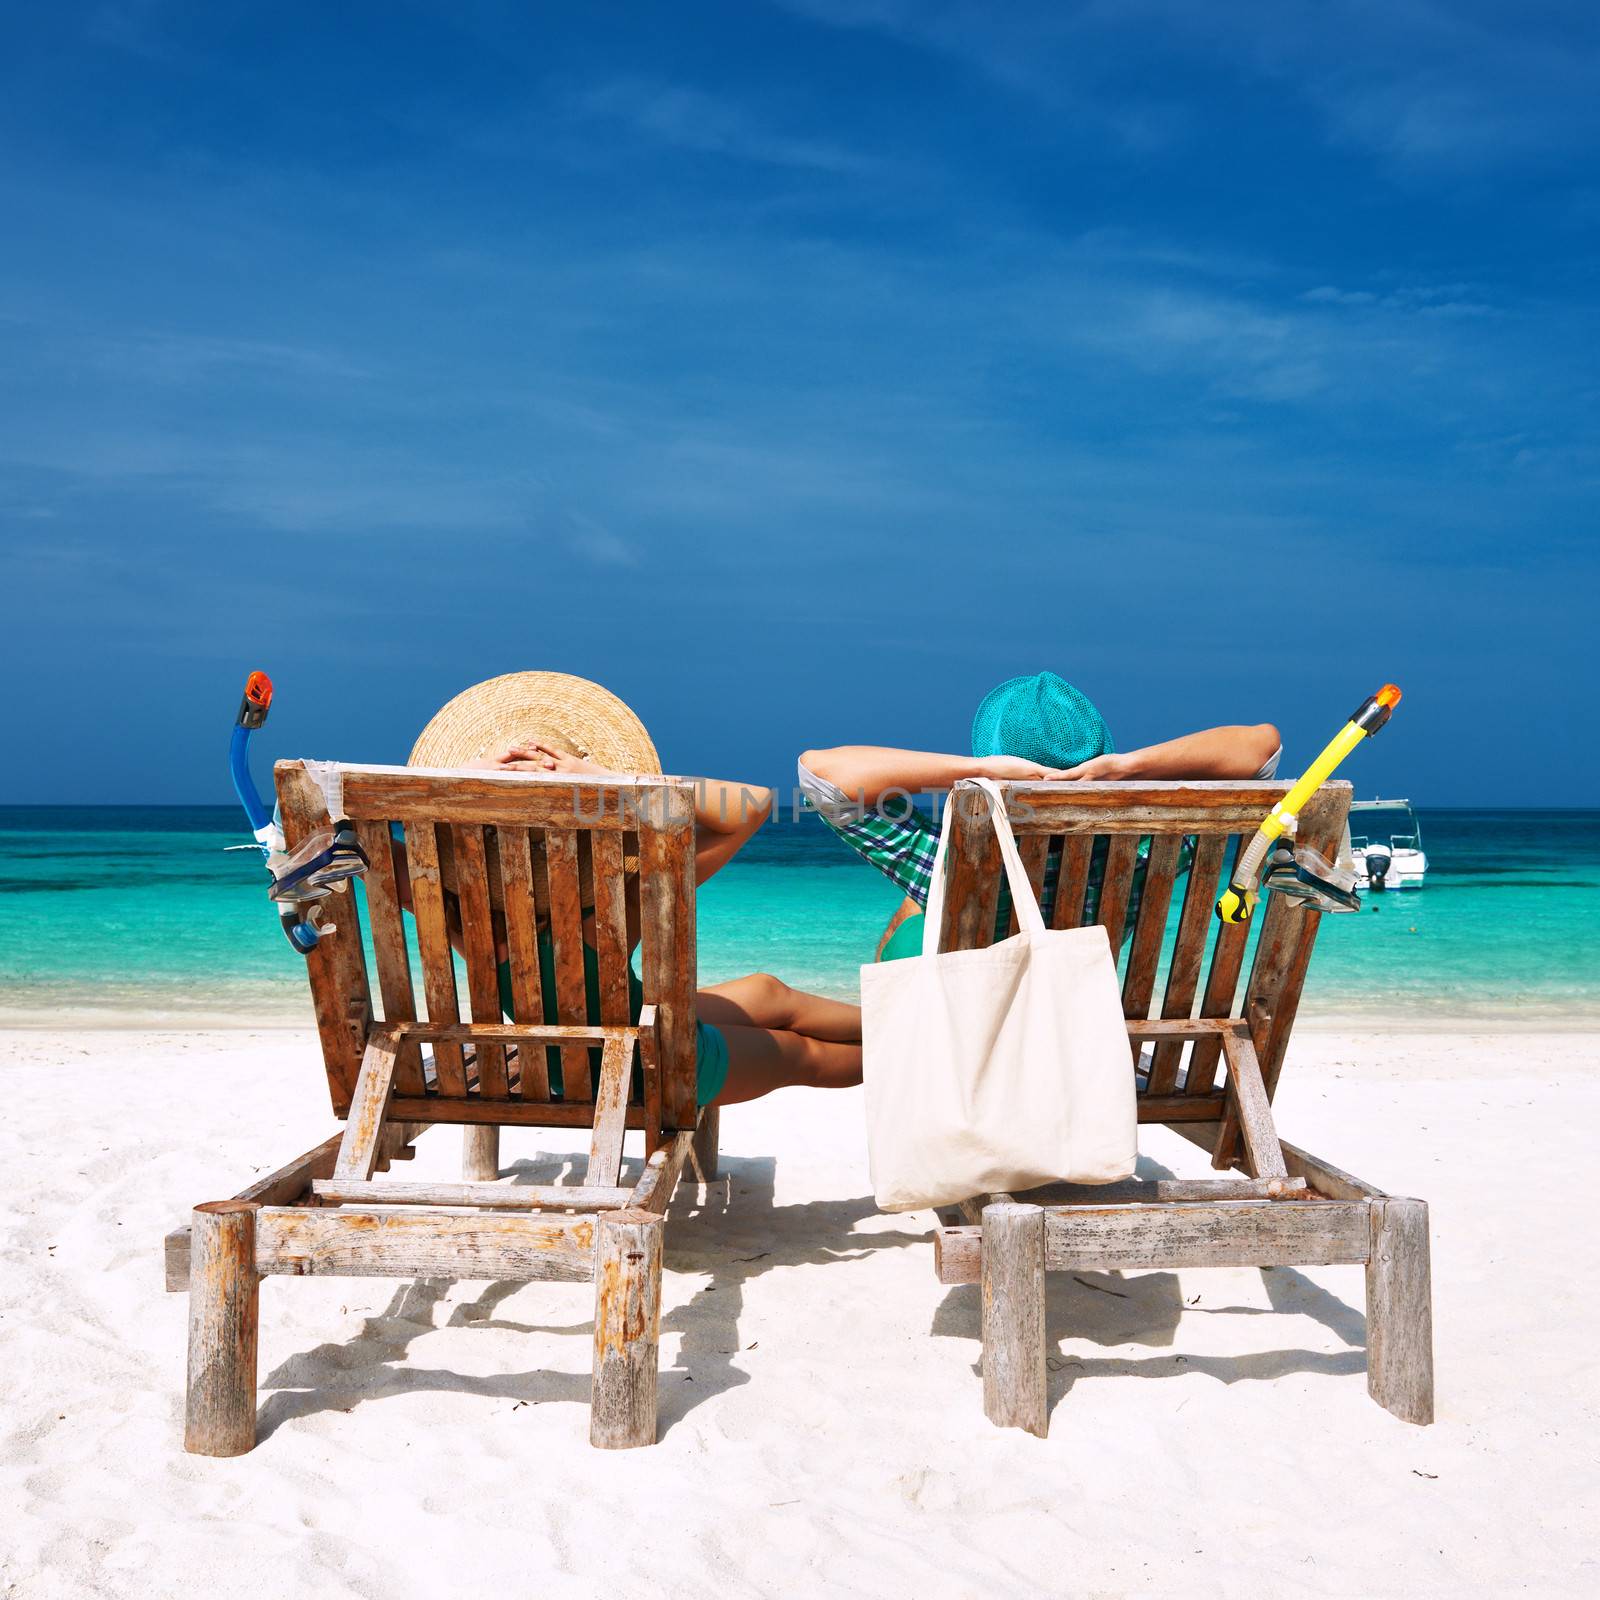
(1241, 895)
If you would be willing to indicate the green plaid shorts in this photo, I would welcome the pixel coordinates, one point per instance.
(893, 835)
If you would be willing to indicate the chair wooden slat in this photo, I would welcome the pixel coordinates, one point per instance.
(1322, 824)
(1249, 1112)
(1073, 884)
(610, 925)
(1034, 851)
(386, 923)
(973, 873)
(337, 968)
(477, 936)
(1277, 975)
(516, 800)
(1221, 987)
(1288, 1005)
(1122, 855)
(667, 950)
(1144, 955)
(650, 1070)
(566, 937)
(1283, 931)
(610, 1112)
(1280, 923)
(522, 953)
(363, 1133)
(1120, 808)
(433, 945)
(471, 1108)
(1188, 955)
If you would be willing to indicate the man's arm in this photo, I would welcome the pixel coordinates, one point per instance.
(865, 772)
(1237, 751)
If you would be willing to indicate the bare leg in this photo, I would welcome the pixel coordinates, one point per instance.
(763, 1059)
(763, 1001)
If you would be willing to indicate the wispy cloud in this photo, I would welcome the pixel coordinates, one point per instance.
(1326, 294)
(886, 391)
(133, 28)
(1114, 246)
(1242, 351)
(690, 119)
(1427, 86)
(584, 536)
(1038, 51)
(184, 356)
(1426, 300)
(170, 355)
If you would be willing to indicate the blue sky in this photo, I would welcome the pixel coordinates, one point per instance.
(799, 370)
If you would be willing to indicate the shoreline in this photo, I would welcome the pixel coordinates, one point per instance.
(1321, 1023)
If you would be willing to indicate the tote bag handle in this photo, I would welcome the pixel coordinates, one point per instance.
(1029, 918)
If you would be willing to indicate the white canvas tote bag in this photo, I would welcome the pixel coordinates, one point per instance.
(996, 1069)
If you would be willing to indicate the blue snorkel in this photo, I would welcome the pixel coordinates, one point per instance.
(252, 715)
(303, 878)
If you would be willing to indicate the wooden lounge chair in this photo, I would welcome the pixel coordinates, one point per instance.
(1286, 1208)
(487, 855)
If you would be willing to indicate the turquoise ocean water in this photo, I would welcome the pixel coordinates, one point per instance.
(136, 915)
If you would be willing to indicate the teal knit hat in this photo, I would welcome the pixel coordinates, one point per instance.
(1040, 718)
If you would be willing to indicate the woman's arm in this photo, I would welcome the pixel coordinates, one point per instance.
(1236, 751)
(865, 772)
(726, 816)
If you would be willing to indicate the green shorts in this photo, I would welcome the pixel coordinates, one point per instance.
(710, 1063)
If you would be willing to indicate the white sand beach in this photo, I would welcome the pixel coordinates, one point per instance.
(822, 1430)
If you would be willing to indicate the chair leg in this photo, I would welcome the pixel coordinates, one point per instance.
(1400, 1311)
(480, 1152)
(627, 1327)
(1012, 1286)
(704, 1163)
(224, 1299)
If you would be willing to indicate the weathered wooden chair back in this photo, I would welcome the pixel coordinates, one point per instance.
(519, 859)
(1085, 839)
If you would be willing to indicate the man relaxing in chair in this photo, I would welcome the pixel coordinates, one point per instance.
(1028, 729)
(756, 1033)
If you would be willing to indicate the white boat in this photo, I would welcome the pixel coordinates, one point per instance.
(1386, 843)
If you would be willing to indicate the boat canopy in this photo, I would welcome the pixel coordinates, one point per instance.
(1387, 821)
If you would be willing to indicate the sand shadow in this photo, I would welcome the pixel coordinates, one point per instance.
(1117, 1309)
(370, 1365)
(730, 1231)
(749, 1236)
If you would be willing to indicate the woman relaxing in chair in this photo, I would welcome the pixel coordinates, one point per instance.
(754, 1034)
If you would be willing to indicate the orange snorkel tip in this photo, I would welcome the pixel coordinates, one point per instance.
(257, 698)
(258, 690)
(1374, 711)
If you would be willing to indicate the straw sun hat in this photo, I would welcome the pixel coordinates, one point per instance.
(551, 708)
